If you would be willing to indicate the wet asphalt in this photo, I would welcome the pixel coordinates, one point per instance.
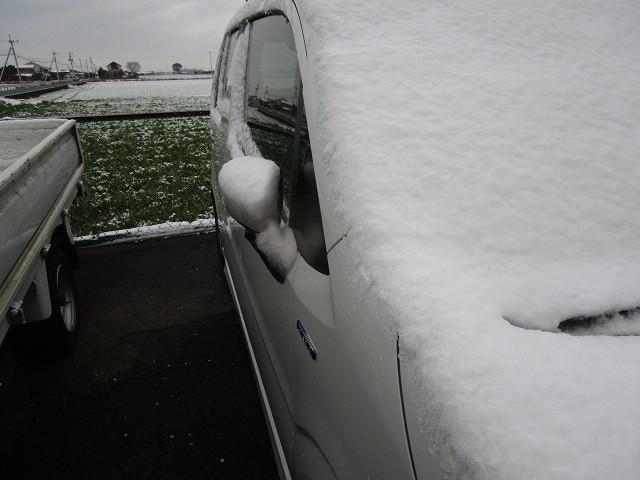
(159, 387)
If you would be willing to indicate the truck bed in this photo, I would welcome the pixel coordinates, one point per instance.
(19, 136)
(39, 159)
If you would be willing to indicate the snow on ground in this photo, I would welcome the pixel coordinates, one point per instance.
(175, 76)
(9, 101)
(149, 231)
(131, 89)
(486, 168)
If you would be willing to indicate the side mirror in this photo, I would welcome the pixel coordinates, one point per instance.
(250, 188)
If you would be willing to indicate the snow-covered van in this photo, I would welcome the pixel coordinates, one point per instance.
(41, 173)
(428, 216)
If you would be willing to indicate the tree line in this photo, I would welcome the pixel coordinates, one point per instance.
(115, 70)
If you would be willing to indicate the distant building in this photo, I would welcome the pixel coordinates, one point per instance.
(54, 74)
(30, 71)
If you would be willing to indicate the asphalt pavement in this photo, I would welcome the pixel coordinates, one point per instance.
(159, 387)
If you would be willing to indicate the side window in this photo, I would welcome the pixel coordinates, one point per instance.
(272, 97)
(223, 90)
(233, 39)
(219, 71)
(276, 118)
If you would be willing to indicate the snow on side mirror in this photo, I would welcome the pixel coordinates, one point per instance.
(249, 186)
(250, 189)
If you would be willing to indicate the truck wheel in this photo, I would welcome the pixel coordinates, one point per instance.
(64, 302)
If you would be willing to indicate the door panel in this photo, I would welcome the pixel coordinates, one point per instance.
(347, 401)
(270, 95)
(310, 463)
(263, 299)
(266, 301)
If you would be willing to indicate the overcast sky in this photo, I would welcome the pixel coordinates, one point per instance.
(156, 33)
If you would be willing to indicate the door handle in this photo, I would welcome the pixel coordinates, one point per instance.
(307, 340)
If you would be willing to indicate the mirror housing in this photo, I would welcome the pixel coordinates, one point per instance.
(250, 189)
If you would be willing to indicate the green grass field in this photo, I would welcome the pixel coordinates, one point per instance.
(139, 172)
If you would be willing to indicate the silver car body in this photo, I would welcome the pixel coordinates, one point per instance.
(476, 179)
(340, 415)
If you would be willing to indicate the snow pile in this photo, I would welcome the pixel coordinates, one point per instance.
(278, 243)
(249, 186)
(500, 142)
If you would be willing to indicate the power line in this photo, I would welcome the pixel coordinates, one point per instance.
(28, 52)
(34, 60)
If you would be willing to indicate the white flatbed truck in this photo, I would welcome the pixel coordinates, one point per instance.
(41, 173)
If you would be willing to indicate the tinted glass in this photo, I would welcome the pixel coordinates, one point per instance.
(272, 97)
(277, 120)
(220, 69)
(306, 221)
(225, 91)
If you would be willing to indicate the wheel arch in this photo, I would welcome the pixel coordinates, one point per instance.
(61, 239)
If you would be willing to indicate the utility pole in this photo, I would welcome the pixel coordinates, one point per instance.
(48, 74)
(92, 68)
(71, 64)
(211, 61)
(15, 57)
(5, 64)
(55, 61)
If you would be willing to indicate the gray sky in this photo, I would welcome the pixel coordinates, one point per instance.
(156, 33)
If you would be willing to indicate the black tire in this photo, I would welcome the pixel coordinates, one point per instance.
(39, 342)
(63, 322)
